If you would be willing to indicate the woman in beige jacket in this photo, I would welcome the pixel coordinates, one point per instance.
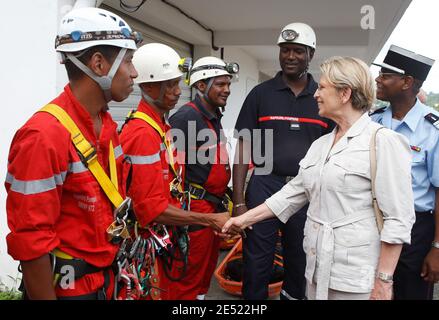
(347, 256)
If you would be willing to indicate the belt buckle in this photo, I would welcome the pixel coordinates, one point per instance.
(122, 208)
(198, 193)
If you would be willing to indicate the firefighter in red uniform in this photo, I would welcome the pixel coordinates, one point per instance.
(58, 214)
(206, 179)
(156, 177)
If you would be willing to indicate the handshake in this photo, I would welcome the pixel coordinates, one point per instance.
(229, 227)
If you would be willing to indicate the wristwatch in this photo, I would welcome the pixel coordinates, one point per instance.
(385, 277)
(435, 244)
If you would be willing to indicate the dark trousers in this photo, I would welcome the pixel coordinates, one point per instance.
(259, 246)
(408, 284)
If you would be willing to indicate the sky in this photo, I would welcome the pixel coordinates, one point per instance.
(417, 31)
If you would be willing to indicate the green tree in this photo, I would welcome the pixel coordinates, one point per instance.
(433, 100)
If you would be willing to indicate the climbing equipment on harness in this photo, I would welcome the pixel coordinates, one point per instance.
(139, 255)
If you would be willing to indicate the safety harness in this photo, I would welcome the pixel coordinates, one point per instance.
(88, 155)
(198, 192)
(117, 230)
(173, 247)
(223, 204)
(176, 186)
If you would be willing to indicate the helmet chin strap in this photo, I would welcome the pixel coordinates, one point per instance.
(307, 63)
(103, 81)
(156, 102)
(205, 95)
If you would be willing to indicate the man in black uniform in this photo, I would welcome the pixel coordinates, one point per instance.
(285, 106)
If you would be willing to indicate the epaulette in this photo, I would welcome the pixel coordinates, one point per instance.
(377, 111)
(433, 119)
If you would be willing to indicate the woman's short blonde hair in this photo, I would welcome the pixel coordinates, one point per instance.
(353, 73)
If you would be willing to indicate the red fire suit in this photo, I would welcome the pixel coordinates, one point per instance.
(204, 244)
(53, 200)
(151, 175)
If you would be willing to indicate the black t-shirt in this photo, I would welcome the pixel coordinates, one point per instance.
(294, 121)
(190, 122)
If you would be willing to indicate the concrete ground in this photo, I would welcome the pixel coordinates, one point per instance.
(217, 293)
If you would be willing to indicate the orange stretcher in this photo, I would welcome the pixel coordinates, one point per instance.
(227, 244)
(234, 287)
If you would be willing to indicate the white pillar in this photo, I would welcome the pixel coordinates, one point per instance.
(28, 80)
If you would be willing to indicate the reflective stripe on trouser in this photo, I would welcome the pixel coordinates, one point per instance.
(259, 246)
(407, 282)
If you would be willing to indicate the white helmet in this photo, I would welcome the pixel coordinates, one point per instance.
(83, 28)
(298, 32)
(209, 67)
(157, 62)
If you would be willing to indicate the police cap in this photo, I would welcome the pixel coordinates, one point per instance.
(402, 61)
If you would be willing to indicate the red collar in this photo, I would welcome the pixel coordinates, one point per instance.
(82, 118)
(146, 108)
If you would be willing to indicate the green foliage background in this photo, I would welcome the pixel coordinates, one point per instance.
(432, 101)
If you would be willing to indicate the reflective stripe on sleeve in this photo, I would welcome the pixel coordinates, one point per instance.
(118, 152)
(77, 167)
(35, 186)
(145, 159)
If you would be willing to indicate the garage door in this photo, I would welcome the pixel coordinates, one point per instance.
(119, 110)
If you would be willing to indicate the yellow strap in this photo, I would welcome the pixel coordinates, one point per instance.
(229, 201)
(142, 116)
(198, 186)
(61, 254)
(89, 153)
(113, 169)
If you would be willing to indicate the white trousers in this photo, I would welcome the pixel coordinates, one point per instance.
(335, 294)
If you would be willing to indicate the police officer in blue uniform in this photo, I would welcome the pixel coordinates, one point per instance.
(285, 107)
(401, 77)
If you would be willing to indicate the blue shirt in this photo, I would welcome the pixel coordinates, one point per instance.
(424, 141)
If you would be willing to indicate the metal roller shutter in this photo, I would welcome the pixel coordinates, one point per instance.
(119, 110)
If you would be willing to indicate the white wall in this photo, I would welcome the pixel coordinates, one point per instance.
(248, 78)
(28, 80)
